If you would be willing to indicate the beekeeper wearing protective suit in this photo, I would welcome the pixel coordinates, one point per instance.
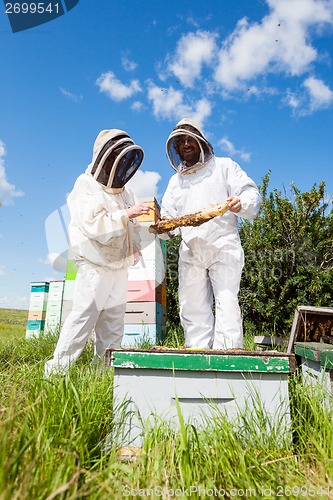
(211, 257)
(104, 242)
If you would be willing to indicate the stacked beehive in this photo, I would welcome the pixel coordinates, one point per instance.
(37, 308)
(54, 306)
(146, 298)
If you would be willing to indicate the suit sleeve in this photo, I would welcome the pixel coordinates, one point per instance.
(241, 185)
(92, 217)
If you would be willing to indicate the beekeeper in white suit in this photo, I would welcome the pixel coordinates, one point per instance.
(104, 242)
(210, 256)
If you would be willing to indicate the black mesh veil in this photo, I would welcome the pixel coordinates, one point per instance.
(117, 161)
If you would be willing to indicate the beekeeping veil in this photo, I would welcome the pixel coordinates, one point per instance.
(116, 158)
(190, 128)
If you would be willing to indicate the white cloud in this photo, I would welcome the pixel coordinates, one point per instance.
(2, 270)
(231, 150)
(127, 64)
(251, 61)
(144, 184)
(280, 43)
(313, 95)
(320, 95)
(115, 89)
(70, 95)
(293, 99)
(7, 191)
(168, 103)
(137, 106)
(192, 52)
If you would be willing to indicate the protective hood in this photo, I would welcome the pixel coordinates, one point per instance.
(115, 160)
(192, 129)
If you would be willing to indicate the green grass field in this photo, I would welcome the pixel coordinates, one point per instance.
(54, 439)
(13, 324)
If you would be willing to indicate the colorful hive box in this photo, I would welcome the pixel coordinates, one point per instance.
(147, 291)
(52, 322)
(36, 315)
(37, 308)
(138, 333)
(56, 290)
(40, 286)
(54, 305)
(147, 271)
(145, 316)
(37, 305)
(145, 313)
(35, 328)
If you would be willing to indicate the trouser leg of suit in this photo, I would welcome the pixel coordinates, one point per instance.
(225, 279)
(109, 329)
(195, 301)
(93, 287)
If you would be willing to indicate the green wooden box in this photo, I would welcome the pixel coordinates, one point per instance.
(316, 359)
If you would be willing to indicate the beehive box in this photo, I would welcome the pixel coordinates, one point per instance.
(316, 361)
(153, 382)
(311, 324)
(37, 308)
(135, 334)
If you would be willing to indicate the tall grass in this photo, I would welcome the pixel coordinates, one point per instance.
(54, 441)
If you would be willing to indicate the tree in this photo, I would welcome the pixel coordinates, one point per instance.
(288, 257)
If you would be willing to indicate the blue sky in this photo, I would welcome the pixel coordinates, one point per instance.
(256, 74)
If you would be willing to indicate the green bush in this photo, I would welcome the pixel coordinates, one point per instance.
(288, 257)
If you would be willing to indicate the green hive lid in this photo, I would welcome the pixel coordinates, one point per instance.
(202, 362)
(316, 351)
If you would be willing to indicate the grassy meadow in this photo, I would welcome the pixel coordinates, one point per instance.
(54, 438)
(13, 324)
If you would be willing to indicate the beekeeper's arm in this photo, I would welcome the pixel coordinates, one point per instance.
(244, 197)
(134, 211)
(96, 220)
(168, 210)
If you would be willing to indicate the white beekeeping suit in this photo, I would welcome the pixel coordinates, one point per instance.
(211, 257)
(103, 241)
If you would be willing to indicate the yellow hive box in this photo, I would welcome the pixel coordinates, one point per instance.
(153, 215)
